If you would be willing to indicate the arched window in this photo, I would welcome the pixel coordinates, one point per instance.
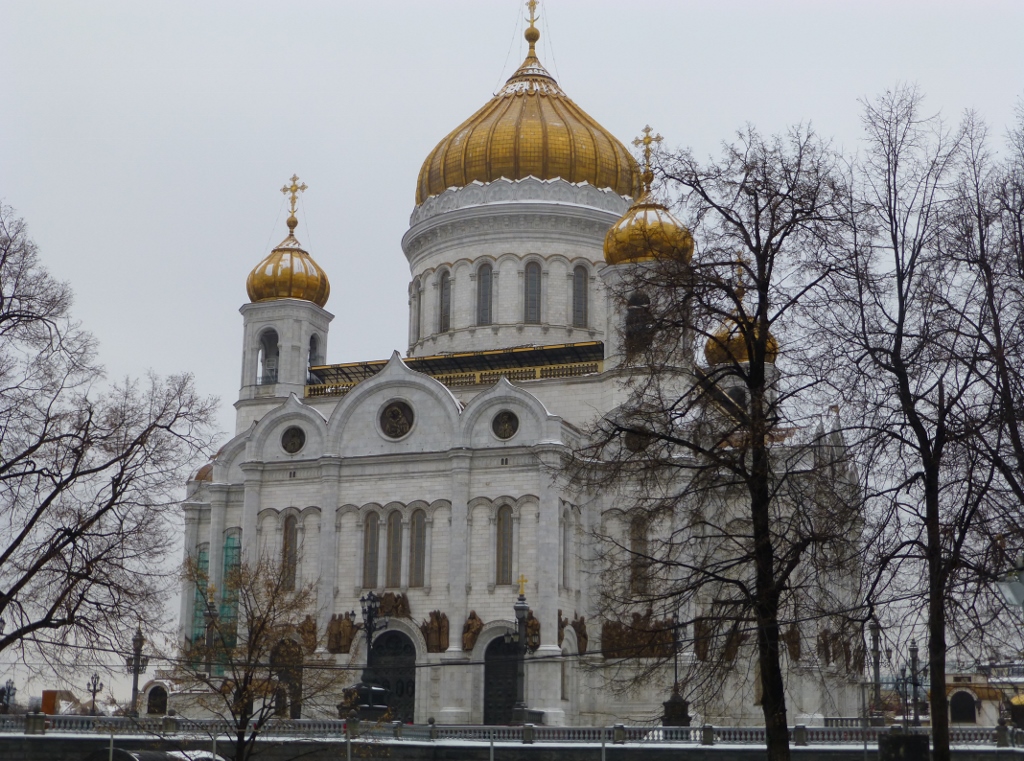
(229, 597)
(579, 297)
(962, 708)
(289, 552)
(202, 560)
(156, 703)
(504, 548)
(444, 318)
(314, 351)
(566, 549)
(266, 373)
(639, 560)
(484, 276)
(370, 550)
(393, 576)
(417, 321)
(417, 549)
(531, 294)
(639, 325)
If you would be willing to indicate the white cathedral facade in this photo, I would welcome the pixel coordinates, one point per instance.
(428, 479)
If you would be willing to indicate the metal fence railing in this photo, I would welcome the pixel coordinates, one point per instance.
(178, 726)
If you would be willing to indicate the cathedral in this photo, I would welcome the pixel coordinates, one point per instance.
(428, 478)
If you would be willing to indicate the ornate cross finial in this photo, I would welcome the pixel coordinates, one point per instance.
(294, 189)
(521, 581)
(534, 18)
(647, 141)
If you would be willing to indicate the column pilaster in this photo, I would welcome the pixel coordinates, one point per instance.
(455, 681)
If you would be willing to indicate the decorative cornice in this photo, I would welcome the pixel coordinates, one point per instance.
(517, 191)
(495, 222)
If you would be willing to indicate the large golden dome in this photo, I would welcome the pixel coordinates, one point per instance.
(530, 128)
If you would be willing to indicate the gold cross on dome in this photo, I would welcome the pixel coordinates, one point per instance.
(521, 581)
(532, 5)
(294, 189)
(646, 141)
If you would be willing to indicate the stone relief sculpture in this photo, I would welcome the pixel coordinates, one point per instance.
(395, 606)
(562, 623)
(307, 633)
(792, 639)
(471, 631)
(533, 630)
(642, 637)
(435, 632)
(579, 625)
(340, 633)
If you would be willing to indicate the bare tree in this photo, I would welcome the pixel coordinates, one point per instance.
(916, 297)
(256, 659)
(88, 474)
(736, 502)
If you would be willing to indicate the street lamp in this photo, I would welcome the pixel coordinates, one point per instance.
(370, 698)
(7, 693)
(523, 644)
(137, 664)
(914, 674)
(94, 686)
(876, 656)
(676, 709)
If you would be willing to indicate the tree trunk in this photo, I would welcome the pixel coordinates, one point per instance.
(766, 604)
(936, 621)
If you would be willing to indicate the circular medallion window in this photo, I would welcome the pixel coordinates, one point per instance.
(505, 424)
(396, 420)
(293, 439)
(637, 442)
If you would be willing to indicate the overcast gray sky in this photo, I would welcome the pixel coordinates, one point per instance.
(145, 142)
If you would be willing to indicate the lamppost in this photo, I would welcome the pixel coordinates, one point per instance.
(523, 645)
(914, 674)
(676, 709)
(7, 693)
(94, 686)
(876, 656)
(137, 664)
(371, 698)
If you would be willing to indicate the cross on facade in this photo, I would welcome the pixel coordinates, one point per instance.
(294, 189)
(521, 581)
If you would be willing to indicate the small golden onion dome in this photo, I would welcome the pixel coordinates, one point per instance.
(727, 345)
(288, 272)
(205, 473)
(647, 231)
(530, 128)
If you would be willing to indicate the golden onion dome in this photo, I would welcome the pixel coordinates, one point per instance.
(728, 345)
(289, 272)
(647, 231)
(530, 128)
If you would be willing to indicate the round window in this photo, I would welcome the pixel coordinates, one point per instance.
(505, 424)
(293, 439)
(637, 442)
(396, 420)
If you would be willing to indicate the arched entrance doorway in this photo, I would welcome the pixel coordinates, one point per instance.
(500, 659)
(962, 708)
(394, 668)
(286, 666)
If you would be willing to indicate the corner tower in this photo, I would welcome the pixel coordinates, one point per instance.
(285, 325)
(505, 242)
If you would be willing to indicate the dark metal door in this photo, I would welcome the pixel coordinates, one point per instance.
(394, 664)
(499, 681)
